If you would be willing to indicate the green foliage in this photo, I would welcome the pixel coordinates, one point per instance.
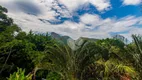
(113, 68)
(135, 52)
(71, 63)
(53, 76)
(4, 19)
(3, 9)
(107, 43)
(20, 75)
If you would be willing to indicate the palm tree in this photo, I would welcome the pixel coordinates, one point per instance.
(135, 50)
(114, 65)
(78, 58)
(70, 61)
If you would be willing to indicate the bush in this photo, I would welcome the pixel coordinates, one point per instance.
(53, 76)
(20, 75)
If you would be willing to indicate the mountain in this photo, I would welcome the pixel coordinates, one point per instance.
(60, 38)
(66, 39)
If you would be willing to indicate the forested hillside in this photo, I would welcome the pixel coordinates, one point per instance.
(30, 56)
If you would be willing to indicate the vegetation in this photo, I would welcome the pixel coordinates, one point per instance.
(40, 56)
(20, 75)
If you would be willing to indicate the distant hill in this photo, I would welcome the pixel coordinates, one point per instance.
(64, 39)
(59, 37)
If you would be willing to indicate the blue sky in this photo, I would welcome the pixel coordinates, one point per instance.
(78, 18)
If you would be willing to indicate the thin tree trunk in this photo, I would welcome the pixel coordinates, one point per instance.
(34, 73)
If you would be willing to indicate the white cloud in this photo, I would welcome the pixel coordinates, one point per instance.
(134, 30)
(111, 24)
(101, 4)
(140, 23)
(72, 5)
(90, 19)
(100, 28)
(131, 2)
(92, 26)
(48, 13)
(47, 6)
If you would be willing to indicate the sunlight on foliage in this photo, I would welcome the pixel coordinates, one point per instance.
(20, 75)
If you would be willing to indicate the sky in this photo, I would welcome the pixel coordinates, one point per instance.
(78, 18)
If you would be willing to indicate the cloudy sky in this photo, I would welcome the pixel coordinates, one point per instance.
(78, 18)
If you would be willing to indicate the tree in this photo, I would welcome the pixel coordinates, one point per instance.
(135, 52)
(70, 63)
(4, 20)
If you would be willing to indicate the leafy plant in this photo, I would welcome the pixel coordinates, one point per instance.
(53, 76)
(20, 75)
(113, 68)
(135, 51)
(70, 62)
